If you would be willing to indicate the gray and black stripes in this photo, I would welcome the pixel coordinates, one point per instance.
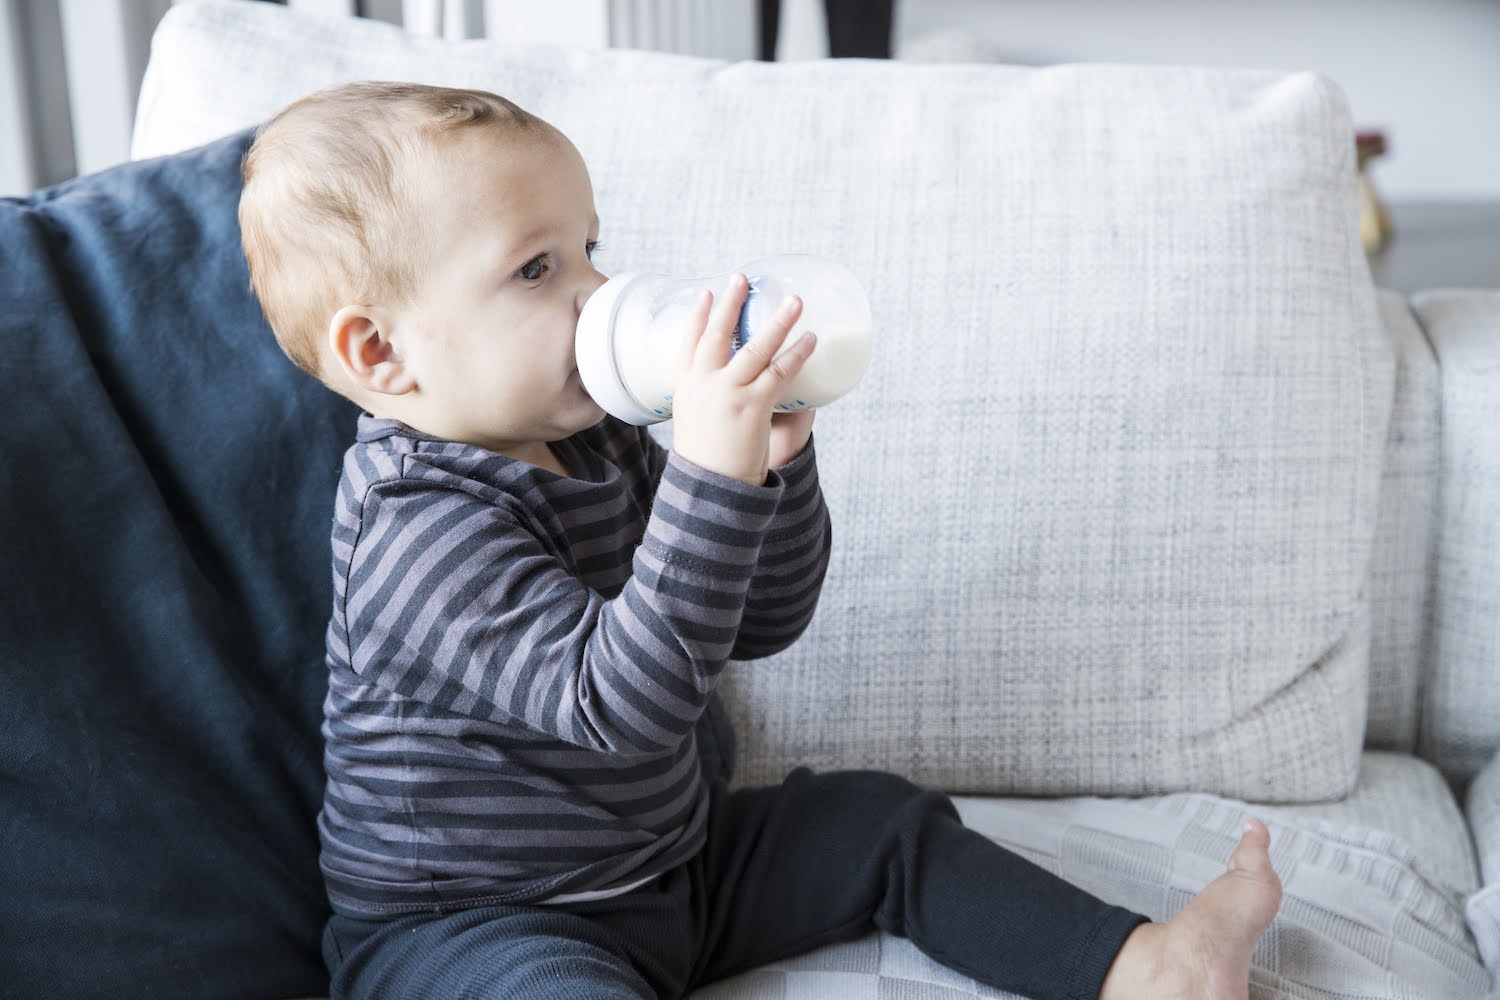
(517, 661)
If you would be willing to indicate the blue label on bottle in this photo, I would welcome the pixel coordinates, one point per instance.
(751, 312)
(753, 316)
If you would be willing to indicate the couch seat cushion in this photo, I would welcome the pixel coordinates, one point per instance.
(1406, 799)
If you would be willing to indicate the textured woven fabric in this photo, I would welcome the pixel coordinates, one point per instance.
(1358, 918)
(1483, 807)
(1407, 798)
(1483, 913)
(1401, 570)
(1461, 714)
(1484, 906)
(1126, 552)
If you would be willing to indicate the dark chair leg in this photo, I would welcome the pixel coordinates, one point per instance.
(856, 28)
(860, 28)
(770, 27)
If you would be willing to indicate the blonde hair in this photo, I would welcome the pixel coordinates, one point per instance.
(326, 214)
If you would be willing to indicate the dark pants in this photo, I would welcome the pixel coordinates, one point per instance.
(822, 858)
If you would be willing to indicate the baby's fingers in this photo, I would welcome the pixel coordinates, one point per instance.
(785, 366)
(693, 333)
(757, 353)
(714, 343)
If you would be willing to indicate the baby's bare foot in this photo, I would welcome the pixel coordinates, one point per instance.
(1204, 952)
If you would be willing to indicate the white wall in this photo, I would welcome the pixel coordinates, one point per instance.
(1426, 72)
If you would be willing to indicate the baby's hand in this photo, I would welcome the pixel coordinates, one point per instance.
(722, 404)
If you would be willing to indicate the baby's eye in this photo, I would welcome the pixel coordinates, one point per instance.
(591, 248)
(534, 268)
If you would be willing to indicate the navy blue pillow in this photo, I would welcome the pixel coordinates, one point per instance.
(165, 494)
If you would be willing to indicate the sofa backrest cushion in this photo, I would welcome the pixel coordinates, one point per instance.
(164, 587)
(1104, 506)
(1402, 568)
(1461, 698)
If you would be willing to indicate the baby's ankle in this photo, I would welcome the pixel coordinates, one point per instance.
(1140, 965)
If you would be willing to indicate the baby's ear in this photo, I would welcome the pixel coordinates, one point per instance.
(360, 340)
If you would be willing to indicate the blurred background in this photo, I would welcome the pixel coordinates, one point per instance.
(1423, 76)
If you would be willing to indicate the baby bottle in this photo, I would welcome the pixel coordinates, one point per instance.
(630, 332)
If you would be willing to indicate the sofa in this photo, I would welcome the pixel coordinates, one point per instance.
(1152, 512)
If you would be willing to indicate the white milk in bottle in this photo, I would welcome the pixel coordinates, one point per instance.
(631, 329)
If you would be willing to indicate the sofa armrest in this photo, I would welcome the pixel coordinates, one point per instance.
(1483, 909)
(1483, 809)
(1461, 704)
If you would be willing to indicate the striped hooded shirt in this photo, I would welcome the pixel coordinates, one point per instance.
(517, 660)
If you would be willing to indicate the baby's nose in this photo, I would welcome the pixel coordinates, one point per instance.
(590, 285)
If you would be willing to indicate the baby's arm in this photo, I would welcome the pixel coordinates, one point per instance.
(793, 560)
(459, 603)
(725, 421)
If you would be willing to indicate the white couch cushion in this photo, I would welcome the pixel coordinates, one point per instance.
(1484, 906)
(1104, 506)
(1406, 798)
(1461, 714)
(1401, 572)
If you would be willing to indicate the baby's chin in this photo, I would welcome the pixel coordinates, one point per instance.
(588, 405)
(577, 415)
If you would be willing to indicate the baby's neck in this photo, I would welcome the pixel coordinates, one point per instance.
(541, 454)
(538, 453)
(550, 460)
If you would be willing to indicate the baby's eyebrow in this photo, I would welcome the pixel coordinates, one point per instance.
(548, 230)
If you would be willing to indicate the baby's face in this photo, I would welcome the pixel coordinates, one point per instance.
(510, 227)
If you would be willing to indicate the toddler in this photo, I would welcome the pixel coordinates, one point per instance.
(533, 602)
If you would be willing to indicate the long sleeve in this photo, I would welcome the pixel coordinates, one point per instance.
(458, 601)
(793, 562)
(793, 558)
